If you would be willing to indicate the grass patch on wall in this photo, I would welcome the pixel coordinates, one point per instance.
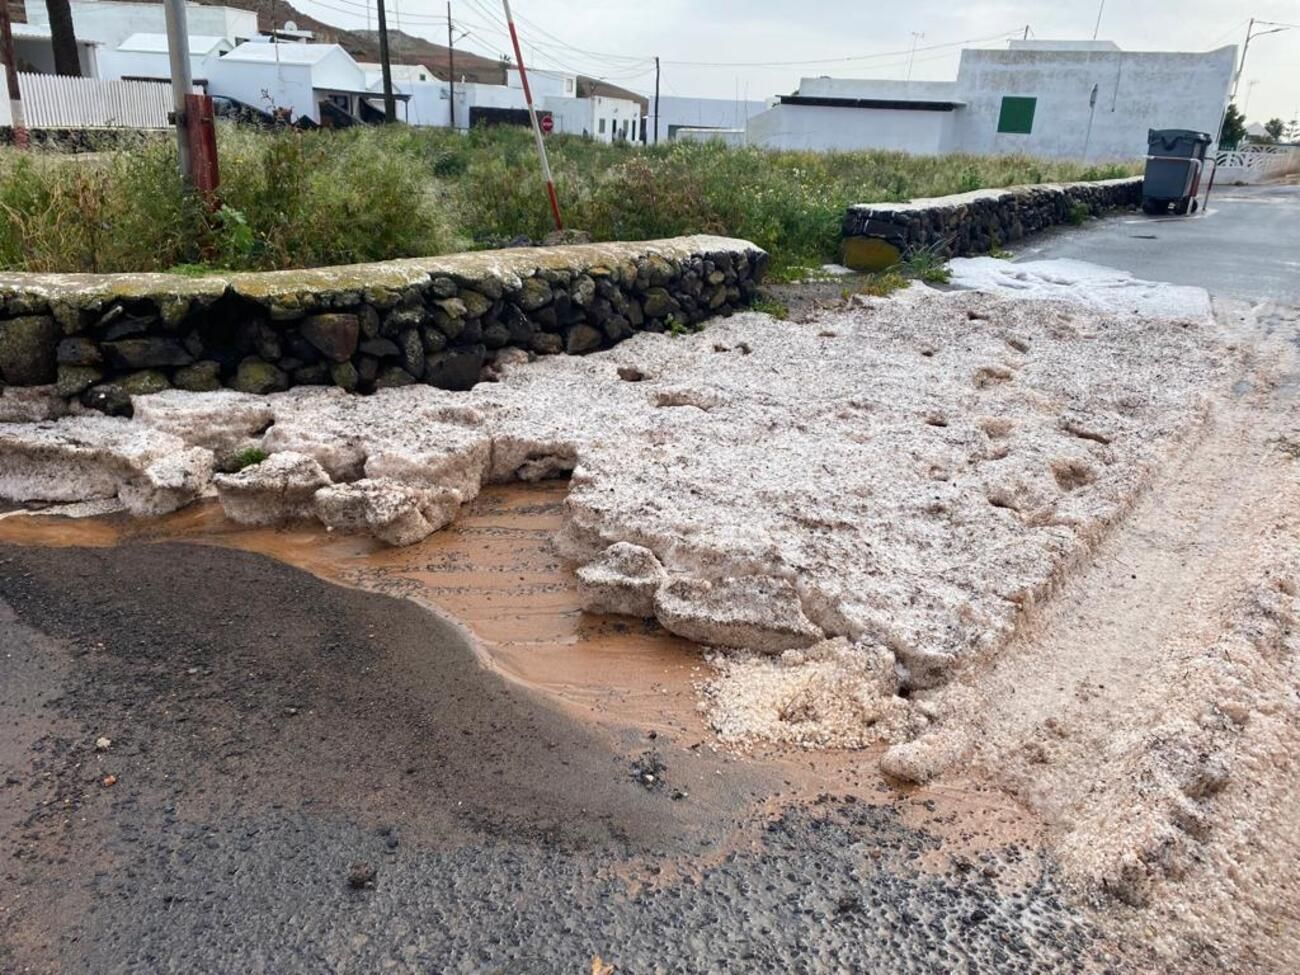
(299, 199)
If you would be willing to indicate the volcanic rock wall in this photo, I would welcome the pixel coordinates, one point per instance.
(879, 234)
(440, 321)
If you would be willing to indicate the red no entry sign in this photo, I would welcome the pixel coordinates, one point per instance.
(547, 123)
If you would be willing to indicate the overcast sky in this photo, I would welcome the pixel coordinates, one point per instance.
(733, 48)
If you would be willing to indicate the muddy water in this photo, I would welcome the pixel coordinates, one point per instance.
(494, 573)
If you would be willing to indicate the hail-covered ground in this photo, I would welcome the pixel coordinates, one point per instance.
(1051, 540)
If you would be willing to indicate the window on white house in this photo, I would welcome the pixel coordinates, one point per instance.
(601, 128)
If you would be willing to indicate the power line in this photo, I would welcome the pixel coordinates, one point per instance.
(839, 60)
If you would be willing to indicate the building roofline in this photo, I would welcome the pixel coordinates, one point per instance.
(897, 104)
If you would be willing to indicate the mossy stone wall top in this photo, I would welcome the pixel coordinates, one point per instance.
(878, 234)
(104, 337)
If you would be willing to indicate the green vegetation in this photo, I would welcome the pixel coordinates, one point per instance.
(297, 199)
(925, 265)
(885, 283)
(247, 458)
(1079, 212)
(771, 306)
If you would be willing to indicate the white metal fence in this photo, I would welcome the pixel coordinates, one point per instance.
(1255, 164)
(58, 102)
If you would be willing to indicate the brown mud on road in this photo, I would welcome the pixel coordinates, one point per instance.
(493, 575)
(272, 735)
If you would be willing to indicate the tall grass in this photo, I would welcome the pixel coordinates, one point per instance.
(295, 199)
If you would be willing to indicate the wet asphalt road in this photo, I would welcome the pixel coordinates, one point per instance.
(275, 737)
(1246, 245)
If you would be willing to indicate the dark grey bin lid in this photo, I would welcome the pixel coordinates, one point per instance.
(1168, 139)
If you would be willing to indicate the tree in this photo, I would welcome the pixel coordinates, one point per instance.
(1234, 128)
(63, 38)
(1275, 127)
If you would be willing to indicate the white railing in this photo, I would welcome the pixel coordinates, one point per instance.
(1256, 164)
(58, 102)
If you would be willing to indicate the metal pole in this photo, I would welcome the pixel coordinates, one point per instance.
(656, 100)
(1236, 79)
(532, 115)
(451, 66)
(386, 69)
(1095, 29)
(178, 50)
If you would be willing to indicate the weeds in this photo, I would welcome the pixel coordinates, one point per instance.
(1079, 212)
(676, 327)
(924, 265)
(247, 458)
(296, 199)
(883, 284)
(771, 306)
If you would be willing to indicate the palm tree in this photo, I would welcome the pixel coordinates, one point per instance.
(63, 38)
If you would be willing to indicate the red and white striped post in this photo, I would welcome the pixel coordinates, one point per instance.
(532, 114)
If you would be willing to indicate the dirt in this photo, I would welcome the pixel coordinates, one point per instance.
(308, 777)
(1121, 757)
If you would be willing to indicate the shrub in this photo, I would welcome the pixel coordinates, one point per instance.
(295, 199)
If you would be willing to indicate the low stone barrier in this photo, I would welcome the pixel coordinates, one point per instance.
(87, 139)
(877, 235)
(103, 338)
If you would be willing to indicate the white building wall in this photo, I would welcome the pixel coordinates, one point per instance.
(819, 127)
(544, 83)
(265, 86)
(474, 94)
(1136, 91)
(702, 113)
(621, 117)
(429, 104)
(37, 55)
(337, 70)
(572, 116)
(110, 22)
(146, 64)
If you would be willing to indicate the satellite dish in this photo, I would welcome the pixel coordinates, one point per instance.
(290, 25)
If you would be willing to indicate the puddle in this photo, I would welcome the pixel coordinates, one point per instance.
(493, 573)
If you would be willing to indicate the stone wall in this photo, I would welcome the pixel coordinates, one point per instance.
(441, 321)
(876, 235)
(86, 140)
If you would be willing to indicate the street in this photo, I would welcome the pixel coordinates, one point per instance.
(1246, 245)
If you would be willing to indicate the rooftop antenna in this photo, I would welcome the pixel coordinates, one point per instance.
(1097, 28)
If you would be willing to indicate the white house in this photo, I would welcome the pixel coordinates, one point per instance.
(1065, 99)
(841, 113)
(295, 78)
(702, 115)
(144, 57)
(110, 22)
(427, 98)
(34, 50)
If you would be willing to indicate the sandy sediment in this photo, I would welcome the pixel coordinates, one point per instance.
(1048, 543)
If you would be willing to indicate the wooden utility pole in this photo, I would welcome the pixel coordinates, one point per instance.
(656, 99)
(11, 77)
(451, 67)
(386, 67)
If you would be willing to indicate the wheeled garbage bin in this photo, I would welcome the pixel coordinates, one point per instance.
(1175, 160)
